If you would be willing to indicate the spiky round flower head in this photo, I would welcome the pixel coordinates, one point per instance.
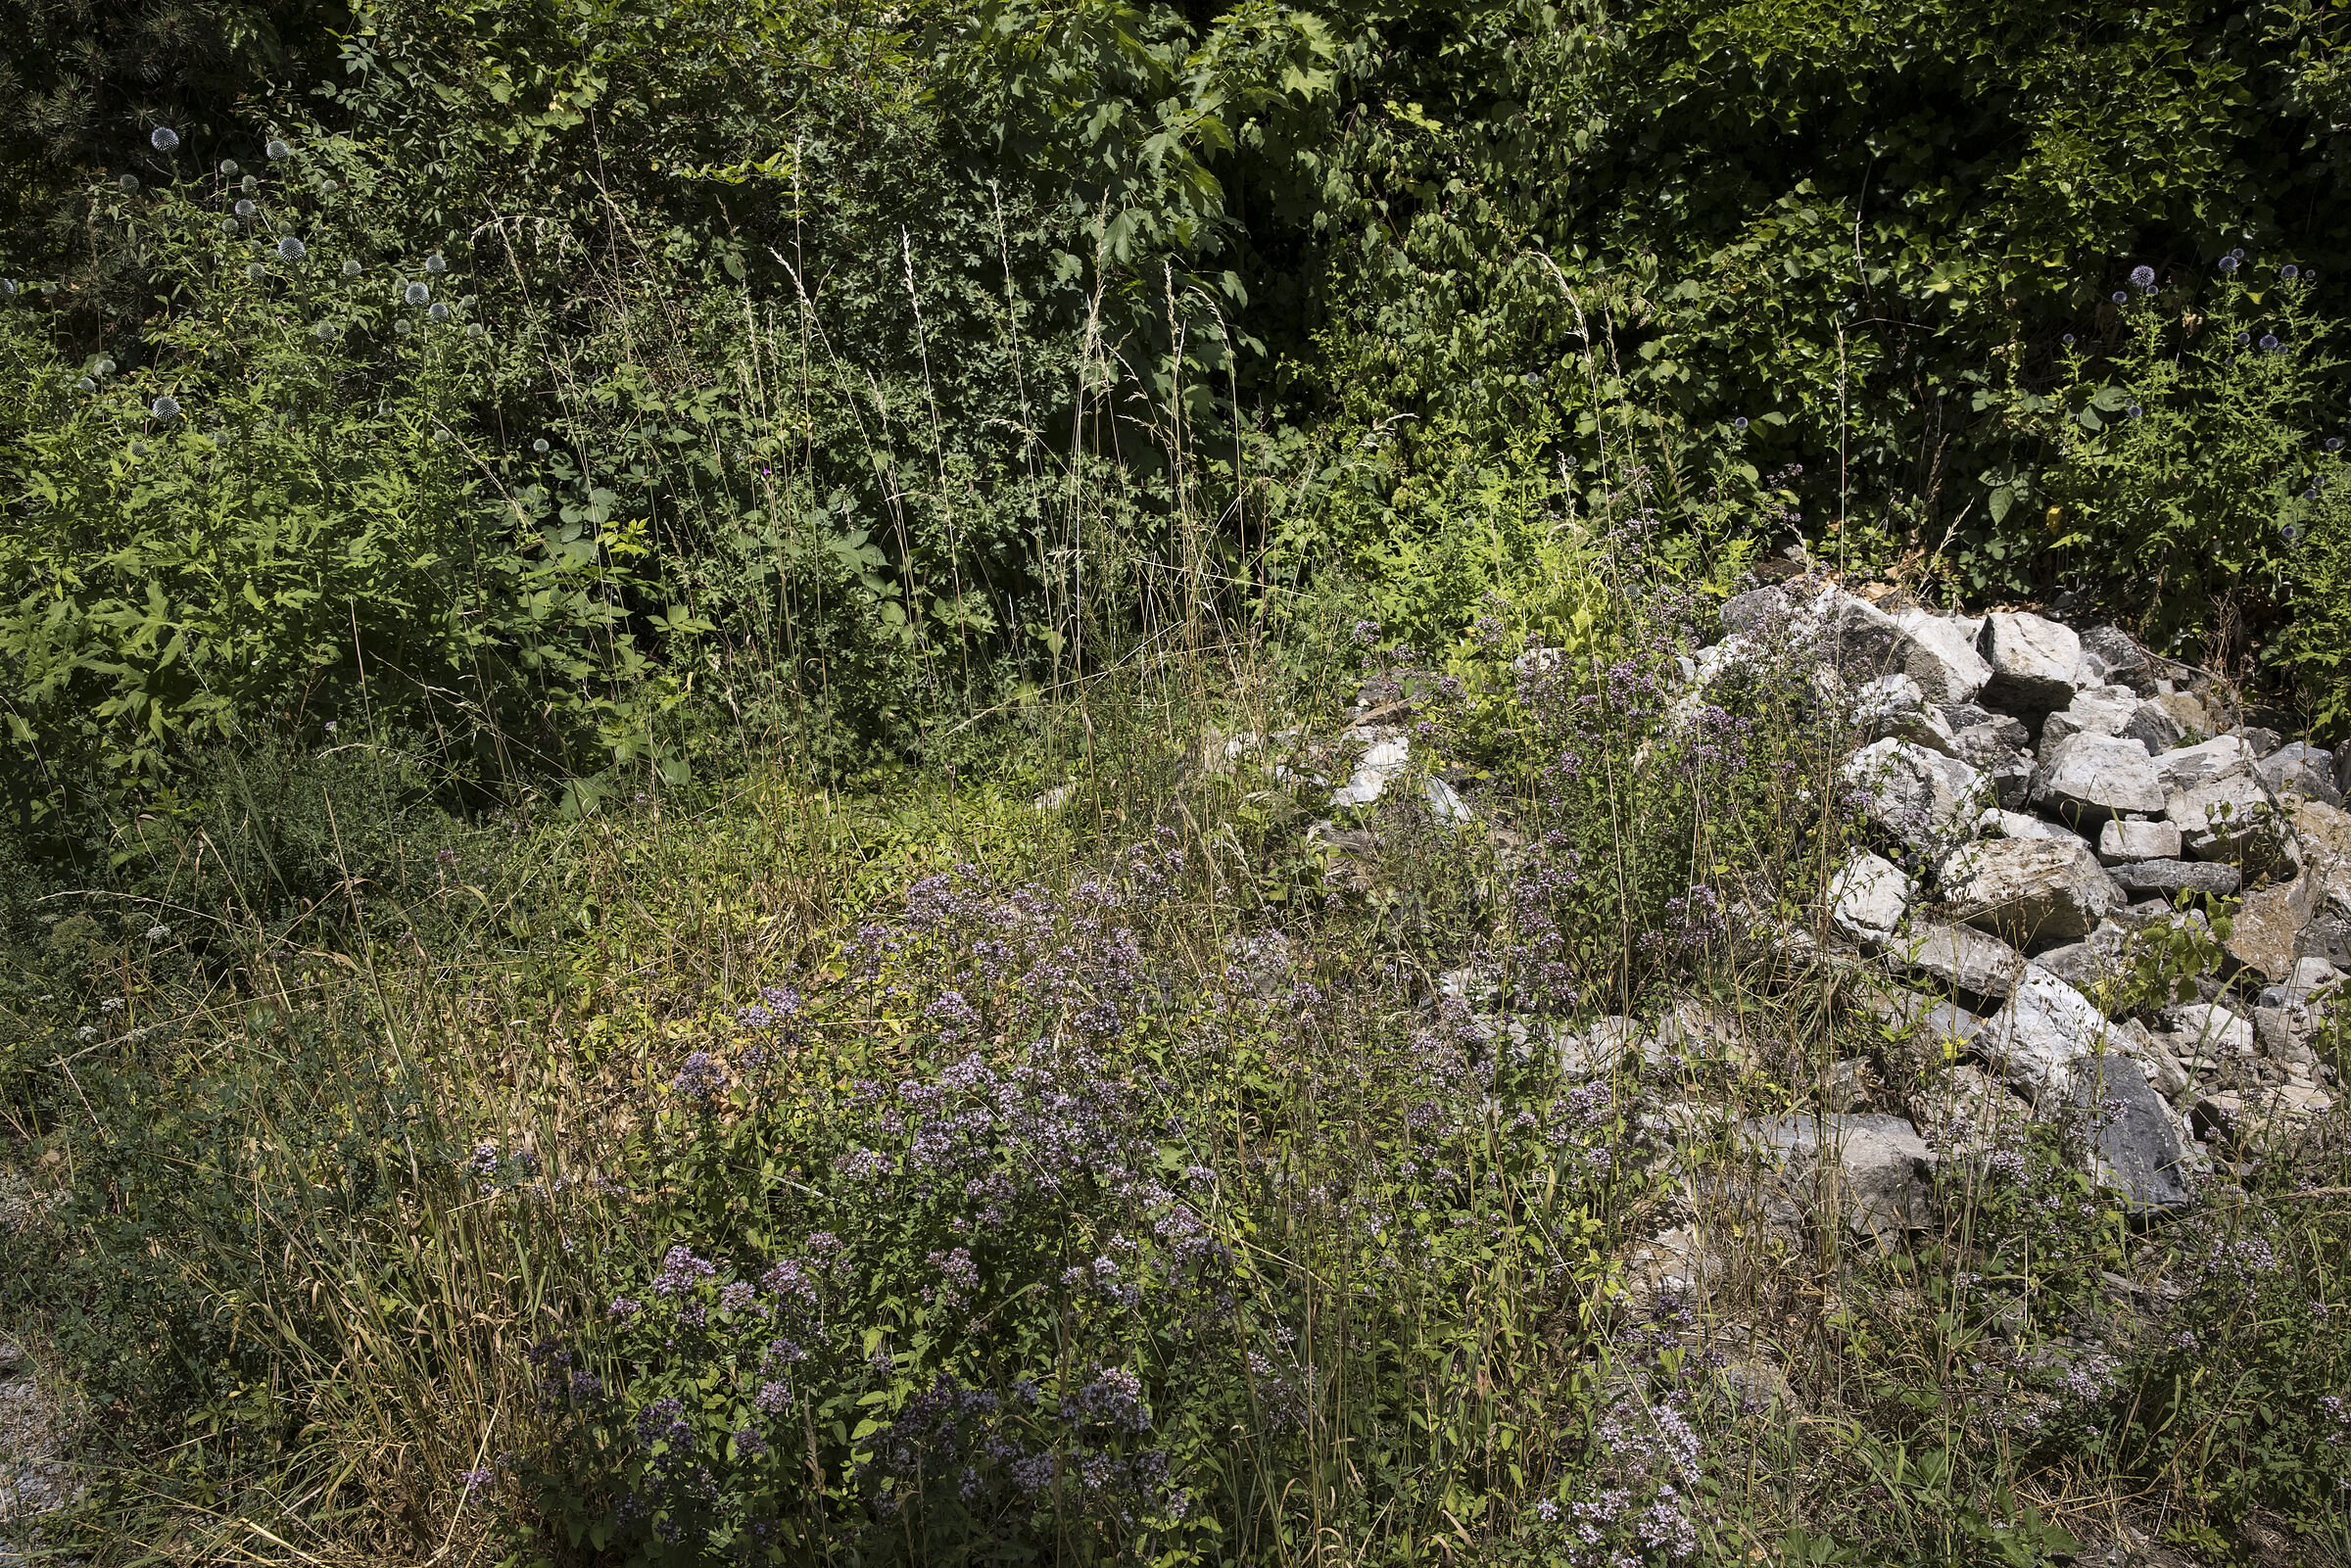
(128, 184)
(2244, 337)
(48, 291)
(138, 448)
(162, 139)
(416, 294)
(326, 331)
(439, 313)
(244, 208)
(2120, 297)
(8, 288)
(2228, 264)
(351, 268)
(228, 225)
(2067, 340)
(290, 248)
(275, 149)
(249, 183)
(2238, 253)
(402, 328)
(106, 368)
(2289, 271)
(166, 407)
(2269, 343)
(440, 436)
(436, 263)
(228, 167)
(256, 271)
(2135, 410)
(2334, 444)
(2142, 277)
(473, 329)
(327, 187)
(85, 383)
(1739, 424)
(539, 446)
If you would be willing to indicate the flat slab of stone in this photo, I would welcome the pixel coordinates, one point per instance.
(2303, 770)
(2185, 767)
(2043, 1036)
(2269, 920)
(2167, 878)
(2120, 842)
(1867, 898)
(2029, 891)
(2231, 817)
(1968, 960)
(1917, 795)
(1883, 1169)
(1939, 654)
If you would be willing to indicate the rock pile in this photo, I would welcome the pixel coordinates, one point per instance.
(2041, 801)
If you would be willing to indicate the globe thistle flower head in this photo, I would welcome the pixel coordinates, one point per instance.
(2334, 444)
(275, 149)
(351, 267)
(326, 331)
(249, 183)
(138, 448)
(416, 294)
(402, 328)
(166, 407)
(436, 263)
(2135, 410)
(2244, 337)
(85, 383)
(127, 184)
(106, 368)
(256, 271)
(2289, 271)
(1739, 424)
(244, 208)
(439, 313)
(290, 248)
(2120, 297)
(2239, 254)
(2142, 277)
(473, 329)
(2269, 343)
(2228, 264)
(8, 288)
(539, 446)
(228, 167)
(327, 187)
(2067, 340)
(162, 139)
(228, 225)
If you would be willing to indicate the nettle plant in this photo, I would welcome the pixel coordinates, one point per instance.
(235, 510)
(1021, 1235)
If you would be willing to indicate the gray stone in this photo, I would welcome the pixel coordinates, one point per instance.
(2207, 1031)
(1941, 1025)
(2169, 877)
(2031, 891)
(2135, 1145)
(2092, 777)
(2260, 1115)
(1940, 654)
(2185, 767)
(2185, 712)
(1968, 960)
(1883, 1170)
(2109, 656)
(2022, 825)
(2095, 961)
(2164, 1070)
(1844, 1086)
(2012, 782)
(2101, 712)
(2120, 842)
(1755, 611)
(2303, 770)
(2034, 661)
(2231, 817)
(1919, 796)
(1965, 1110)
(2039, 1040)
(2260, 740)
(1867, 898)
(2152, 726)
(1892, 705)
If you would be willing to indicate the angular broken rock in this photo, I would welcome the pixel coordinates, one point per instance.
(2167, 878)
(2120, 842)
(2022, 825)
(1915, 794)
(2207, 1031)
(2034, 662)
(2303, 770)
(2031, 891)
(1940, 654)
(1967, 961)
(2093, 777)
(2092, 712)
(2109, 656)
(2152, 726)
(2231, 817)
(2136, 1143)
(2098, 959)
(1867, 899)
(2041, 1040)
(1965, 1110)
(2185, 767)
(1880, 1170)
(2269, 920)
(2258, 1116)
